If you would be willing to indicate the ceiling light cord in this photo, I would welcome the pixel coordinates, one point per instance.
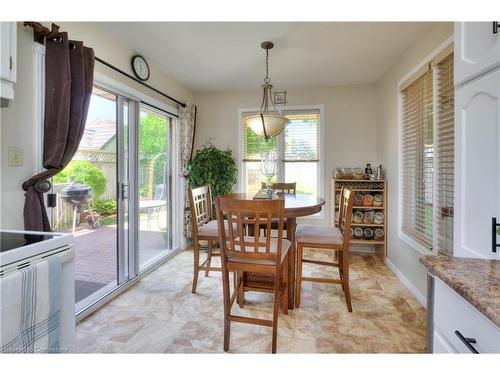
(267, 79)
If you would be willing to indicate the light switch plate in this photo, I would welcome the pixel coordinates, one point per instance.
(14, 156)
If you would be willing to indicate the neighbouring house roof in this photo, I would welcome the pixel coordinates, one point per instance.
(97, 134)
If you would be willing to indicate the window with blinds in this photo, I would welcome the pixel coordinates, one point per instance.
(445, 153)
(298, 149)
(427, 154)
(417, 147)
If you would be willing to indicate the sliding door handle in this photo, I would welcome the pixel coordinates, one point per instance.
(123, 191)
(468, 341)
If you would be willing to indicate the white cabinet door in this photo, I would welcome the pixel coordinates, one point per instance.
(8, 51)
(477, 166)
(477, 49)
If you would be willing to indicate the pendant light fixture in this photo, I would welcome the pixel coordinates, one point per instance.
(269, 122)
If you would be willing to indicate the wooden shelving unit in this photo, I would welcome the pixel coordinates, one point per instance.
(365, 187)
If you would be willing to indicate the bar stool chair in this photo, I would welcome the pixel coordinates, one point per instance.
(281, 188)
(262, 256)
(336, 239)
(202, 228)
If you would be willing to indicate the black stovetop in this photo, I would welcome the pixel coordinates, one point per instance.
(11, 240)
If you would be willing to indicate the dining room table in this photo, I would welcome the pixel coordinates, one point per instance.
(296, 205)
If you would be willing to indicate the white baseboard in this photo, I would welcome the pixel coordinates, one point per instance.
(407, 283)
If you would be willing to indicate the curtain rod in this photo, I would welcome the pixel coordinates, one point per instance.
(41, 32)
(182, 104)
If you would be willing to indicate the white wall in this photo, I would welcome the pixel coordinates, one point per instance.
(402, 256)
(349, 115)
(17, 121)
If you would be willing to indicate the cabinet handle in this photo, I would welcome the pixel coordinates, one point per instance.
(10, 62)
(495, 27)
(494, 231)
(468, 341)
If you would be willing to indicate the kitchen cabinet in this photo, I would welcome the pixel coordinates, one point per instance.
(8, 59)
(477, 165)
(458, 327)
(477, 49)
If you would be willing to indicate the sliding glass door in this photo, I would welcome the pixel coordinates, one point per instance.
(122, 221)
(90, 201)
(154, 185)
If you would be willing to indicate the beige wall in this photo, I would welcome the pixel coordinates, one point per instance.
(402, 256)
(17, 121)
(349, 128)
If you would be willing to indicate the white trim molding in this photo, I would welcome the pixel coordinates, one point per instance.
(407, 283)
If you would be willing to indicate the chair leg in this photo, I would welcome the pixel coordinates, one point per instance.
(196, 270)
(227, 307)
(241, 292)
(277, 287)
(341, 274)
(345, 280)
(209, 257)
(284, 292)
(300, 251)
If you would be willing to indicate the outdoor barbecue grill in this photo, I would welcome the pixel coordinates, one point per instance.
(77, 195)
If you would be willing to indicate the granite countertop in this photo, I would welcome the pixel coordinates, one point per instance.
(476, 280)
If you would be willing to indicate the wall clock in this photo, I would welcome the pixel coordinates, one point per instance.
(140, 67)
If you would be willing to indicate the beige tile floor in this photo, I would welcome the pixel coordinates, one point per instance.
(160, 315)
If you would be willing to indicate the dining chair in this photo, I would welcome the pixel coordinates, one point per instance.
(336, 239)
(281, 188)
(241, 254)
(202, 228)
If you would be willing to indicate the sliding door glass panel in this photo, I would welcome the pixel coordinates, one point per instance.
(92, 218)
(154, 180)
(123, 189)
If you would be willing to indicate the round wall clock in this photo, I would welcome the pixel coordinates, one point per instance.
(140, 67)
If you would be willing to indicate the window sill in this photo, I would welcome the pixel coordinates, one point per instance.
(415, 245)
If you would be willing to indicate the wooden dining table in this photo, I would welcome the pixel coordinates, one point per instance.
(296, 205)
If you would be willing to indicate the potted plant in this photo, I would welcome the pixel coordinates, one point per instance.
(214, 167)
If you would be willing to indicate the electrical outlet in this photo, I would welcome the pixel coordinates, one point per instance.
(15, 156)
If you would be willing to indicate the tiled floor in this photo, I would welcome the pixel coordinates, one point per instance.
(159, 314)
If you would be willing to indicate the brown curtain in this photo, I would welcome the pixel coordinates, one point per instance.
(69, 75)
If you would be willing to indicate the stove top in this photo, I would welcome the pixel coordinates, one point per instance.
(13, 240)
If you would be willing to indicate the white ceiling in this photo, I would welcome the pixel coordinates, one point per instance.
(220, 56)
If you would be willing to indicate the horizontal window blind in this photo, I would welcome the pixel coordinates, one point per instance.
(417, 156)
(302, 137)
(445, 153)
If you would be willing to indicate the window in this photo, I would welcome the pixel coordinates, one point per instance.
(298, 147)
(426, 145)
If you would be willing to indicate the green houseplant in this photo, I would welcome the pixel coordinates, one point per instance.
(214, 167)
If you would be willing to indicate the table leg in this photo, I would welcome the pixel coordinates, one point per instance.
(290, 235)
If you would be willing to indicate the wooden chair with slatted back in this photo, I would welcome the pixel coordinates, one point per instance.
(335, 239)
(281, 188)
(202, 228)
(258, 255)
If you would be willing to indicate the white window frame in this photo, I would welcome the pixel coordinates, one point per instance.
(416, 245)
(241, 184)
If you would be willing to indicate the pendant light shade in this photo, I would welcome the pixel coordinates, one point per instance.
(267, 125)
(268, 122)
